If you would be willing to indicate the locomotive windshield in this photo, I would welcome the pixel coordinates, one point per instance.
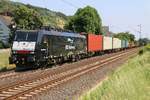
(26, 36)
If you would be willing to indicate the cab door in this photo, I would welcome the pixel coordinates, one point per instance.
(44, 48)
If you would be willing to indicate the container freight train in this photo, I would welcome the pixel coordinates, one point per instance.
(38, 48)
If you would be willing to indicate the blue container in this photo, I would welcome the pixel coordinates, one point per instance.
(124, 43)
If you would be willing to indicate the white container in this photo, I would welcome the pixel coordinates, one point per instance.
(116, 43)
(107, 43)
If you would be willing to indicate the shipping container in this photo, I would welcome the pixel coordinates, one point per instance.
(116, 43)
(107, 43)
(94, 43)
(126, 44)
(123, 44)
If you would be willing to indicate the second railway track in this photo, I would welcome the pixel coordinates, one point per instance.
(27, 89)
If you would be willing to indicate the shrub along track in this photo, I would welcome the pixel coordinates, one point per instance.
(29, 88)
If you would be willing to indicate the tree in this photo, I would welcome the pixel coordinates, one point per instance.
(143, 41)
(26, 18)
(85, 20)
(125, 36)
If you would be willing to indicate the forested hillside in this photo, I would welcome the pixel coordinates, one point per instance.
(50, 18)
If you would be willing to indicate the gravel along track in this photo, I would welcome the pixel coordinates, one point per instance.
(28, 89)
(12, 77)
(6, 74)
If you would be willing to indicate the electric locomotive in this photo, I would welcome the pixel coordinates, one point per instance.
(40, 47)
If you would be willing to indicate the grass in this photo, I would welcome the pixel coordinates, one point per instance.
(4, 62)
(129, 82)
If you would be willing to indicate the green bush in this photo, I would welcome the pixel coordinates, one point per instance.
(141, 52)
(3, 69)
(144, 49)
(147, 47)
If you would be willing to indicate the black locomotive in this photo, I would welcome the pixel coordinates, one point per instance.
(40, 47)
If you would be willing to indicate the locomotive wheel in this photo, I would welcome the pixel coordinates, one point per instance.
(37, 64)
(73, 58)
(60, 60)
(77, 57)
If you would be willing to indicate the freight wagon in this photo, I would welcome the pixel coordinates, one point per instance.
(94, 43)
(107, 43)
(116, 43)
(124, 44)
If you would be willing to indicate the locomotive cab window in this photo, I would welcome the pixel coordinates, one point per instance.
(26, 36)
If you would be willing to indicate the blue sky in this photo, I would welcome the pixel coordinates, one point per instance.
(120, 15)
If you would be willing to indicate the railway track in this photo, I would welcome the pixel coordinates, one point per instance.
(13, 74)
(29, 88)
(17, 77)
(11, 78)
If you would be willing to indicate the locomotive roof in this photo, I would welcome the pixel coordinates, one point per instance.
(67, 34)
(55, 33)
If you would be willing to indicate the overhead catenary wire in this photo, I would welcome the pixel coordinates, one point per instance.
(138, 31)
(114, 26)
(69, 3)
(81, 2)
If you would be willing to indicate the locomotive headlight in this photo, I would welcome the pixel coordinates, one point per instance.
(32, 52)
(14, 52)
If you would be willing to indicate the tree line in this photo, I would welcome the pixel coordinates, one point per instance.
(84, 20)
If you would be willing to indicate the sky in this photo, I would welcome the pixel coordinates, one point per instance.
(119, 15)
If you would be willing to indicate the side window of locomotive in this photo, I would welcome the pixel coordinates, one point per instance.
(59, 40)
(63, 40)
(56, 44)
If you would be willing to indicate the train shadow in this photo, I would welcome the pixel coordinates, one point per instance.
(31, 68)
(23, 69)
